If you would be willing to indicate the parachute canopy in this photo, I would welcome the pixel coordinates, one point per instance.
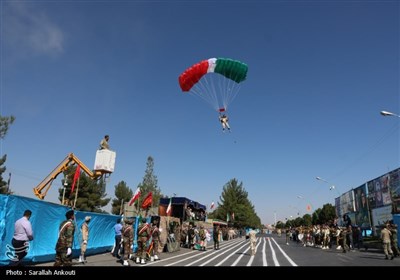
(218, 90)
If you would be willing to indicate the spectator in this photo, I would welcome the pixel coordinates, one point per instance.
(117, 231)
(22, 235)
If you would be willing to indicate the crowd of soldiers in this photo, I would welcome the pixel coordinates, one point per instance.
(192, 237)
(342, 238)
(148, 239)
(188, 235)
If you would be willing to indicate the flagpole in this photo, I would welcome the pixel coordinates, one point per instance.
(137, 206)
(76, 194)
(122, 205)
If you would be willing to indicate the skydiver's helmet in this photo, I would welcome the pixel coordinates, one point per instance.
(155, 221)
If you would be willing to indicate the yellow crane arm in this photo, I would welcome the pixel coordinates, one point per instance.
(41, 190)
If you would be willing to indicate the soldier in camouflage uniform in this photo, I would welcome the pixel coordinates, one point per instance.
(127, 236)
(143, 235)
(393, 240)
(155, 235)
(203, 238)
(65, 241)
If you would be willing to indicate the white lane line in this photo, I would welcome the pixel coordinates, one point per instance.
(207, 255)
(284, 254)
(219, 255)
(276, 262)
(237, 260)
(264, 254)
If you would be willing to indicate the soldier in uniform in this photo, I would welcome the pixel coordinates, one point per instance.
(215, 237)
(127, 236)
(203, 238)
(65, 241)
(343, 238)
(253, 241)
(386, 236)
(393, 240)
(143, 235)
(191, 236)
(155, 235)
(85, 237)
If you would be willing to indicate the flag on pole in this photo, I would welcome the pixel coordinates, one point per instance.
(227, 217)
(212, 205)
(169, 208)
(135, 196)
(147, 201)
(76, 177)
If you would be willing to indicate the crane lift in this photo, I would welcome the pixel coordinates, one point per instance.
(104, 166)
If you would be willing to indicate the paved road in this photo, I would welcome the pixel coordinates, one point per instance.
(271, 251)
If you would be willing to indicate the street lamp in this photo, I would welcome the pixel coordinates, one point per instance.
(309, 206)
(332, 187)
(386, 113)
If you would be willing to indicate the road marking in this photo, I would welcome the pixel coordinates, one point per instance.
(264, 254)
(218, 255)
(237, 260)
(284, 254)
(196, 253)
(276, 262)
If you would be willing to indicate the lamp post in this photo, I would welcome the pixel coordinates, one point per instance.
(309, 205)
(332, 187)
(386, 113)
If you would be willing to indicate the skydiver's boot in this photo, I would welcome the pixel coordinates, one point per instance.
(143, 261)
(80, 259)
(137, 260)
(152, 259)
(156, 258)
(126, 263)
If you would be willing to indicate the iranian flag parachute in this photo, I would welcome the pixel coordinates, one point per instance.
(215, 80)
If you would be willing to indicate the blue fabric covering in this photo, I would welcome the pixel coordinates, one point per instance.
(46, 218)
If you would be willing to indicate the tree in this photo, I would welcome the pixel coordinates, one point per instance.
(150, 184)
(91, 194)
(327, 214)
(235, 206)
(123, 194)
(315, 216)
(307, 220)
(4, 188)
(5, 122)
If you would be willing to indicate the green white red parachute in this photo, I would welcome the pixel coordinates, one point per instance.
(215, 80)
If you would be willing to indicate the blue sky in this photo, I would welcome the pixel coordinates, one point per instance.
(319, 74)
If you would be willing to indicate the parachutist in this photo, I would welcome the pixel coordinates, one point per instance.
(224, 121)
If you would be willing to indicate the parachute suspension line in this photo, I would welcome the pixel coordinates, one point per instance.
(229, 90)
(210, 86)
(205, 89)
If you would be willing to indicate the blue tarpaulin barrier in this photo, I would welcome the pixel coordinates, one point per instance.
(46, 219)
